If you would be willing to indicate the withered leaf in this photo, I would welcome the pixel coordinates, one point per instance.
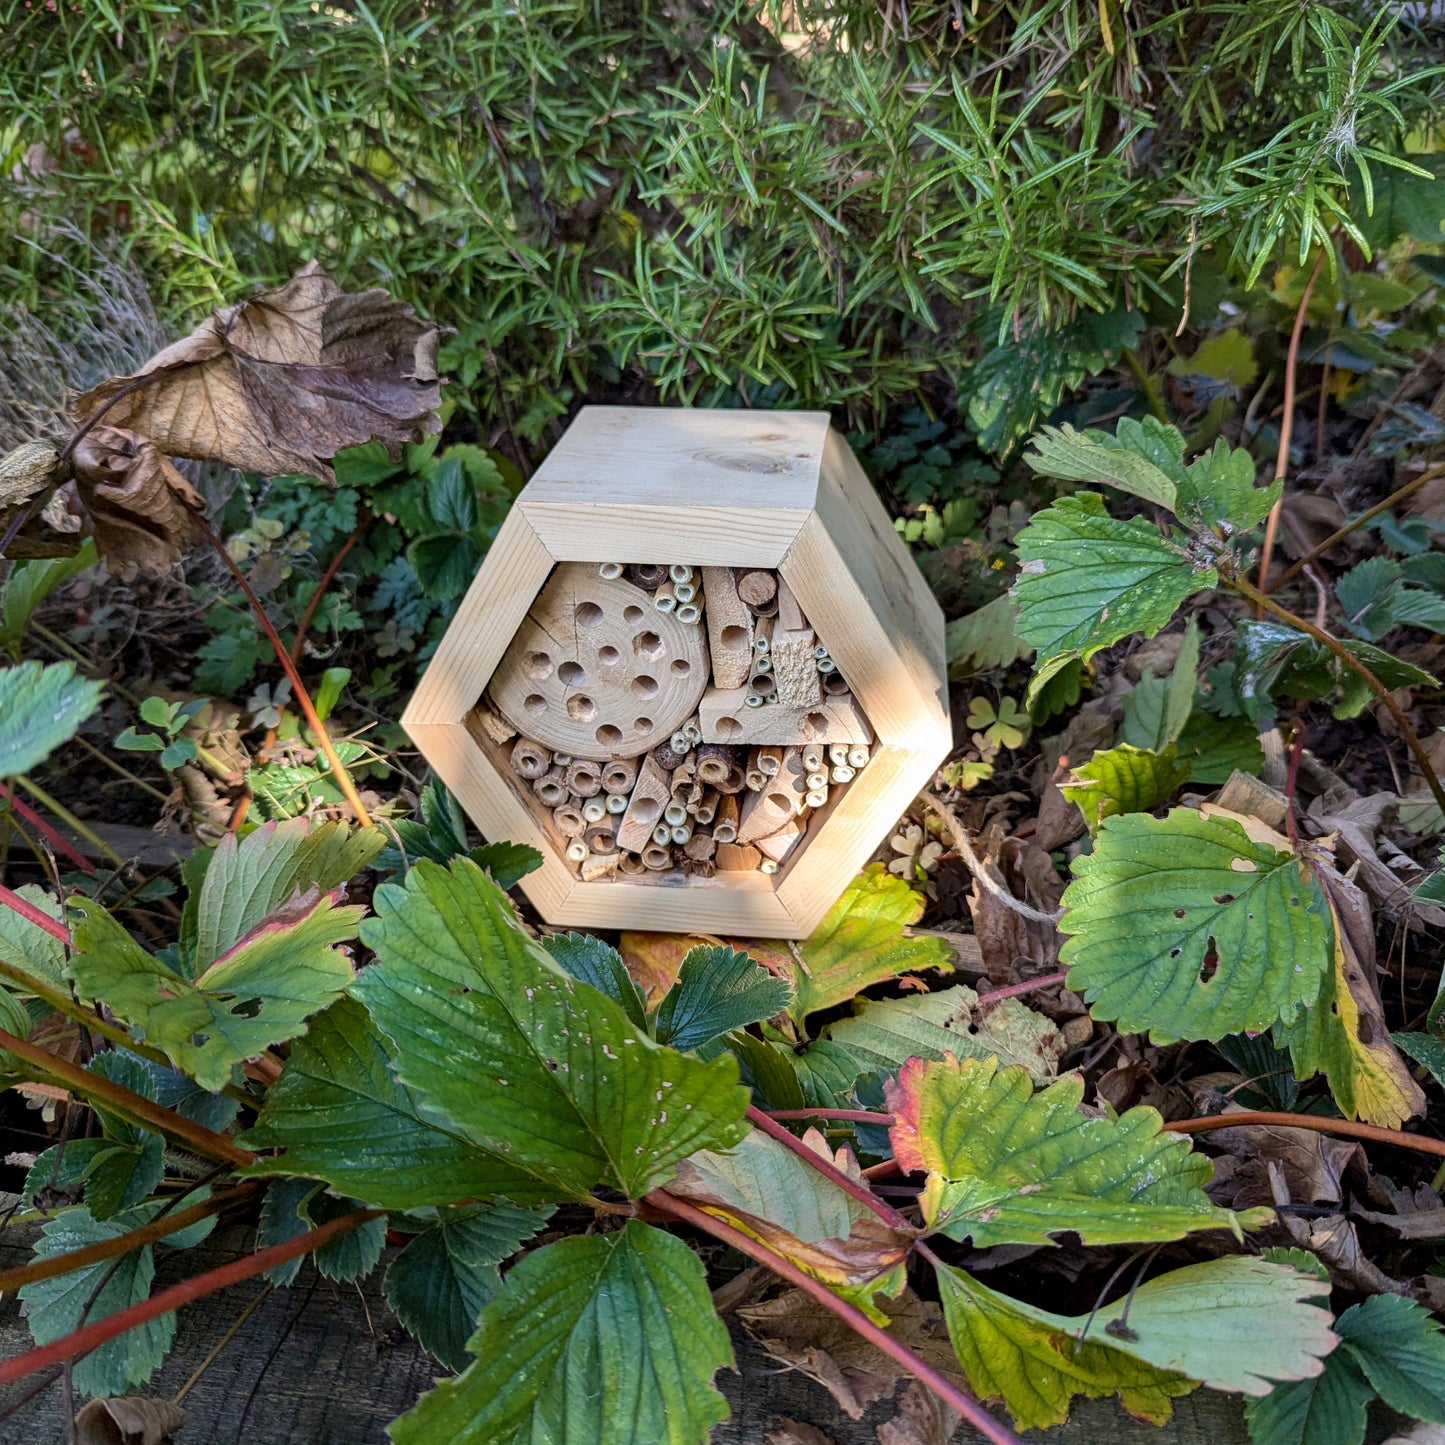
(26, 528)
(25, 472)
(143, 511)
(283, 381)
(130, 1421)
(796, 1432)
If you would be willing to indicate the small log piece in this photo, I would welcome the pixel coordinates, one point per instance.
(530, 760)
(701, 845)
(795, 669)
(713, 762)
(729, 628)
(551, 788)
(736, 858)
(649, 797)
(598, 866)
(490, 724)
(790, 615)
(758, 589)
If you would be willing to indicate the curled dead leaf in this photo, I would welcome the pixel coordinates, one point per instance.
(132, 1421)
(796, 1432)
(26, 472)
(29, 529)
(282, 382)
(143, 511)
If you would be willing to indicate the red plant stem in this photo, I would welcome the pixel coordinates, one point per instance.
(32, 914)
(56, 840)
(845, 1116)
(886, 1212)
(125, 1101)
(82, 1341)
(304, 625)
(298, 688)
(1286, 429)
(853, 1317)
(1348, 1127)
(1028, 986)
(13, 1279)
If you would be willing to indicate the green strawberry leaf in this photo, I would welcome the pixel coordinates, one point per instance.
(41, 707)
(987, 638)
(259, 993)
(1329, 1409)
(717, 990)
(589, 960)
(1124, 780)
(883, 1033)
(439, 1282)
(1088, 580)
(594, 1338)
(1095, 456)
(544, 1074)
(55, 1306)
(1401, 1350)
(27, 946)
(1190, 928)
(132, 1163)
(1008, 1166)
(340, 1114)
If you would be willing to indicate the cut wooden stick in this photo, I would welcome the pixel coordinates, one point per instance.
(729, 628)
(650, 796)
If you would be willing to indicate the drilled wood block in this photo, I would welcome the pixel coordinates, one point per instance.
(763, 526)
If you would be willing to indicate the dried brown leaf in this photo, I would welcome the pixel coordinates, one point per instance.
(26, 472)
(1015, 948)
(922, 1419)
(1313, 1165)
(282, 382)
(143, 511)
(131, 1421)
(795, 1432)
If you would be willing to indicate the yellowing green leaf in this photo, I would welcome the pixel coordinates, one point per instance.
(862, 940)
(885, 1032)
(1124, 780)
(540, 1072)
(1226, 356)
(1189, 927)
(598, 1338)
(1008, 1166)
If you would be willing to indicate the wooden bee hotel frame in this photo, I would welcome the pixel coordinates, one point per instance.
(697, 669)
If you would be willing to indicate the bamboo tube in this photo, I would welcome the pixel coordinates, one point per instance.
(594, 810)
(568, 820)
(601, 839)
(616, 803)
(734, 782)
(768, 865)
(551, 788)
(725, 823)
(817, 798)
(584, 778)
(812, 755)
(690, 612)
(666, 757)
(692, 730)
(682, 832)
(683, 590)
(769, 759)
(858, 755)
(610, 570)
(713, 762)
(835, 684)
(841, 774)
(530, 760)
(664, 599)
(680, 572)
(733, 858)
(578, 851)
(706, 809)
(838, 754)
(674, 814)
(753, 780)
(630, 864)
(761, 684)
(656, 857)
(619, 775)
(647, 575)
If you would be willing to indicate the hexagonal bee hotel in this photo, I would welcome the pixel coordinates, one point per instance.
(698, 670)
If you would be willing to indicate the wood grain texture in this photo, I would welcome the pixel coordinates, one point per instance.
(595, 671)
(726, 718)
(327, 1364)
(729, 628)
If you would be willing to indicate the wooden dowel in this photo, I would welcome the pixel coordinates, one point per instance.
(757, 588)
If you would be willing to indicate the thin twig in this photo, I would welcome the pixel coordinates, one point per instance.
(127, 1102)
(1344, 655)
(83, 1341)
(221, 1344)
(327, 576)
(958, 834)
(58, 841)
(1348, 1127)
(843, 1116)
(1286, 425)
(1031, 985)
(854, 1318)
(1399, 495)
(298, 688)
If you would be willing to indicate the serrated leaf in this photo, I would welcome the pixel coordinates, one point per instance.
(26, 945)
(339, 1114)
(1226, 356)
(862, 940)
(282, 1220)
(985, 639)
(1234, 1323)
(440, 1281)
(54, 1307)
(1008, 1166)
(246, 880)
(259, 993)
(717, 990)
(1425, 1049)
(1344, 1038)
(1188, 927)
(1035, 1368)
(600, 1338)
(768, 1192)
(1217, 491)
(41, 707)
(590, 960)
(349, 1256)
(1087, 580)
(540, 1072)
(1095, 456)
(885, 1032)
(1401, 1350)
(132, 1162)
(1124, 780)
(1376, 598)
(1326, 1410)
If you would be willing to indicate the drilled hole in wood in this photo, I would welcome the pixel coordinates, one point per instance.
(816, 720)
(728, 727)
(572, 674)
(538, 666)
(643, 724)
(735, 637)
(609, 736)
(648, 810)
(589, 614)
(648, 646)
(632, 615)
(681, 667)
(581, 709)
(535, 702)
(608, 656)
(644, 686)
